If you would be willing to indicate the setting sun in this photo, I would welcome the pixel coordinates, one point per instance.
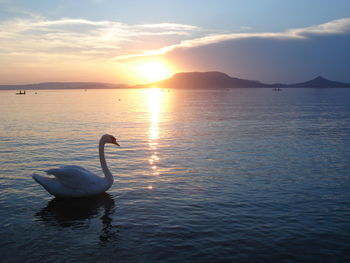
(152, 71)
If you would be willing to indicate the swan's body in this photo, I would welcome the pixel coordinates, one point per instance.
(75, 181)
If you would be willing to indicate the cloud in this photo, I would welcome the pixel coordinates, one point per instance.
(295, 55)
(340, 26)
(169, 26)
(112, 40)
(84, 38)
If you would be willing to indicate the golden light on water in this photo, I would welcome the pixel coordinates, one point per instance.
(154, 107)
(154, 104)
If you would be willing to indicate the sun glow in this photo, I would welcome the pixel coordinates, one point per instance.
(152, 71)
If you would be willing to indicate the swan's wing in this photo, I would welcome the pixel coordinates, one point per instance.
(73, 176)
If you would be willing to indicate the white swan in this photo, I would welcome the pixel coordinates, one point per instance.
(75, 181)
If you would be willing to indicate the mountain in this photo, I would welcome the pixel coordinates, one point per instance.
(320, 82)
(63, 85)
(213, 80)
(185, 80)
(204, 80)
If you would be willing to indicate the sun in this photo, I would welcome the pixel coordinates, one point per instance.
(153, 71)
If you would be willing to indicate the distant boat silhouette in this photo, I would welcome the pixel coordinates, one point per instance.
(276, 89)
(21, 93)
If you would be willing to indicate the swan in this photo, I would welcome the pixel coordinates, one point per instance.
(75, 181)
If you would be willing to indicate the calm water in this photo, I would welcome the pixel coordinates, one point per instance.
(247, 175)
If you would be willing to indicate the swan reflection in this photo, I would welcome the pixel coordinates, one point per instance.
(75, 213)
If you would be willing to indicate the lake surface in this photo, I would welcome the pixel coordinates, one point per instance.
(242, 175)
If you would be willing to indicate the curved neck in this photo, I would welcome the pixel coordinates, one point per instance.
(108, 174)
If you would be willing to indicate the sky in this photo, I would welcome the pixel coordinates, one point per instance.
(136, 42)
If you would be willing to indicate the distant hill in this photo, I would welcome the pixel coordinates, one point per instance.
(218, 80)
(63, 85)
(204, 80)
(320, 82)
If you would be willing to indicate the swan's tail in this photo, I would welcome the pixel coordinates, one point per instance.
(39, 179)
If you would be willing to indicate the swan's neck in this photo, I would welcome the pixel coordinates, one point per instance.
(105, 169)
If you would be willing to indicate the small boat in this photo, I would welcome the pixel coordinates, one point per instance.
(21, 92)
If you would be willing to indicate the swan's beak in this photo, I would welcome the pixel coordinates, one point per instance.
(116, 143)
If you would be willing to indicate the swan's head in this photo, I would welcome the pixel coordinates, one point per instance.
(109, 139)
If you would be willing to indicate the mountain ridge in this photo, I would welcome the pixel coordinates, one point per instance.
(185, 80)
(215, 79)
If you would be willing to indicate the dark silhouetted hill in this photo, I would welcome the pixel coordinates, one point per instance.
(204, 80)
(218, 80)
(320, 82)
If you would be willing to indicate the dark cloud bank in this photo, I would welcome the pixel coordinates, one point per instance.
(272, 59)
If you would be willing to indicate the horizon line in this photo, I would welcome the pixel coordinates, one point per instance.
(149, 83)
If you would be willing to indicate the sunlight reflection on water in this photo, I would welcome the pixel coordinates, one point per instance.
(155, 103)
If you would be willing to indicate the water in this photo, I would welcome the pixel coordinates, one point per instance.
(243, 175)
